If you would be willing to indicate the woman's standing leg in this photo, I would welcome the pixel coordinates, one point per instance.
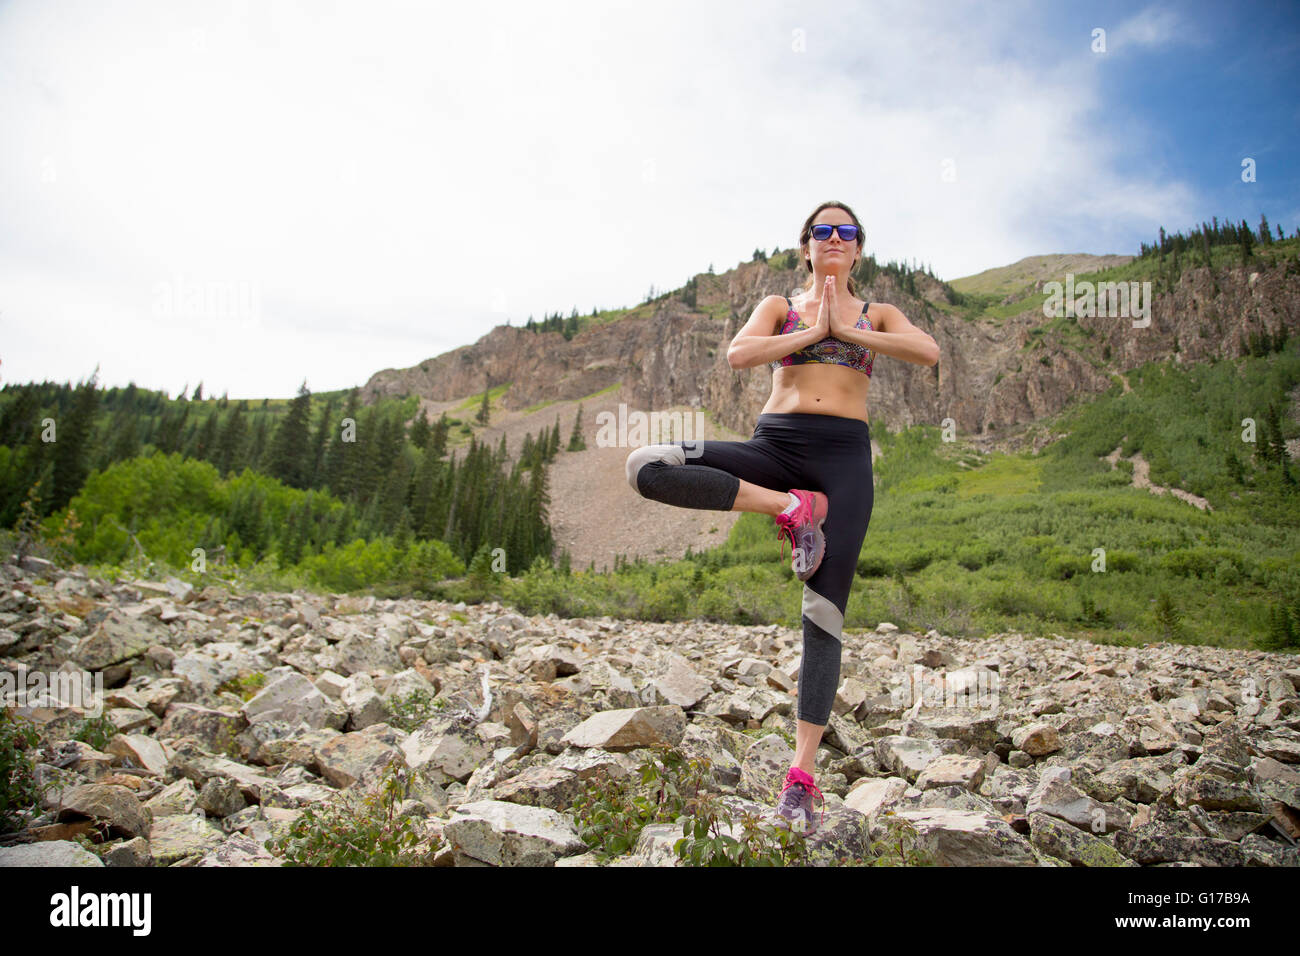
(845, 477)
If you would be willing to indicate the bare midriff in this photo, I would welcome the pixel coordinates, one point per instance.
(820, 389)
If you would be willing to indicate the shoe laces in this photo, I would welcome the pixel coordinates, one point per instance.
(808, 788)
(786, 523)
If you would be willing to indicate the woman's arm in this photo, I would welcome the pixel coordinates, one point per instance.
(757, 344)
(896, 337)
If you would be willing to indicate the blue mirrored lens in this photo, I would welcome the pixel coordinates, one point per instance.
(848, 232)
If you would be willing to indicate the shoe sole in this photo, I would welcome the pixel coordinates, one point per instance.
(796, 824)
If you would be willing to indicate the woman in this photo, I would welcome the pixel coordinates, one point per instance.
(809, 461)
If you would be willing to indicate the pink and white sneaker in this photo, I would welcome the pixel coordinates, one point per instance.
(803, 528)
(796, 805)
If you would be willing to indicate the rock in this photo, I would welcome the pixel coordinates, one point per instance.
(447, 746)
(141, 750)
(128, 853)
(507, 834)
(1067, 842)
(680, 685)
(176, 798)
(215, 730)
(239, 850)
(114, 637)
(952, 769)
(906, 757)
(762, 772)
(1213, 792)
(874, 795)
(220, 797)
(205, 671)
(540, 787)
(294, 699)
(180, 836)
(115, 810)
(1036, 739)
(365, 706)
(1056, 796)
(957, 837)
(629, 729)
(355, 758)
(48, 853)
(362, 652)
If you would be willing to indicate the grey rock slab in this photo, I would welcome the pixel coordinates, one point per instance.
(509, 834)
(48, 853)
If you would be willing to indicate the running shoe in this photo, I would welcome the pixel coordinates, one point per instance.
(796, 803)
(803, 528)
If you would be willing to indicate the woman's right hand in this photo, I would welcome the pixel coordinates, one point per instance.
(827, 309)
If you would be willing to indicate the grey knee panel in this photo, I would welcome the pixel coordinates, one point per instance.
(672, 454)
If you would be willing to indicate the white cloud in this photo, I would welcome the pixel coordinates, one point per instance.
(1154, 26)
(395, 179)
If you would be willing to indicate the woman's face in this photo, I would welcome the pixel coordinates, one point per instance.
(833, 254)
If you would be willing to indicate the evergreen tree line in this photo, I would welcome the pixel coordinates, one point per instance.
(568, 327)
(390, 482)
(1211, 234)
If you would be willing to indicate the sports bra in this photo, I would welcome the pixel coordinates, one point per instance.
(830, 350)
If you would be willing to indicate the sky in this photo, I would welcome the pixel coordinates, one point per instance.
(254, 194)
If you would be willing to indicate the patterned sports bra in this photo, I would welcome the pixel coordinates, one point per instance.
(830, 350)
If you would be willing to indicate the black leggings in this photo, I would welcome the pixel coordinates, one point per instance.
(790, 450)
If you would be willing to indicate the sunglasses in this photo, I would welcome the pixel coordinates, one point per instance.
(847, 232)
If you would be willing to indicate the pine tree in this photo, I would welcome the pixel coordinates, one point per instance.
(421, 430)
(230, 444)
(72, 451)
(290, 451)
(576, 441)
(440, 430)
(1167, 616)
(206, 446)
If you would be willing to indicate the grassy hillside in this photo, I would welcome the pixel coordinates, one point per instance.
(1057, 543)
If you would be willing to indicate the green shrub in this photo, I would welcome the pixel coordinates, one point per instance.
(95, 731)
(359, 831)
(18, 790)
(411, 710)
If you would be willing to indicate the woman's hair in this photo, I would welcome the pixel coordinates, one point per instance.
(805, 235)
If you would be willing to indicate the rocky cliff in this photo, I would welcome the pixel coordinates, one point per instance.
(994, 375)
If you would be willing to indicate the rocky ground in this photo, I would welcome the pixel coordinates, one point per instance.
(1068, 754)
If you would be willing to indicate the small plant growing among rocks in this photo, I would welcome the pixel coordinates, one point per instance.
(246, 687)
(365, 831)
(18, 790)
(96, 731)
(411, 710)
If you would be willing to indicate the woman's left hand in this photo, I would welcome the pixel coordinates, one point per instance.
(838, 325)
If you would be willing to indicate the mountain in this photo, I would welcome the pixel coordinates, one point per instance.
(1004, 367)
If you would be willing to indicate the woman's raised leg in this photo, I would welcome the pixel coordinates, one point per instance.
(723, 476)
